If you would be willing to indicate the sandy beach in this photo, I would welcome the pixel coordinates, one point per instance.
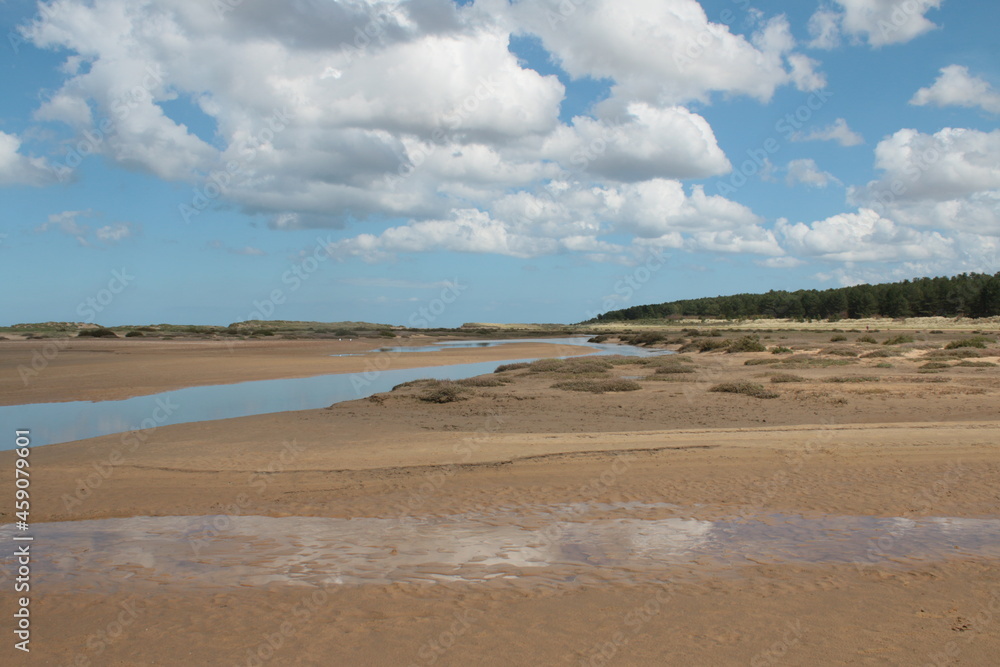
(901, 443)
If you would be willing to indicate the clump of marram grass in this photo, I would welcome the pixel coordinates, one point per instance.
(786, 377)
(976, 364)
(840, 351)
(781, 349)
(598, 386)
(503, 368)
(881, 354)
(483, 381)
(852, 378)
(976, 341)
(712, 344)
(445, 391)
(867, 339)
(935, 366)
(898, 340)
(951, 354)
(753, 389)
(673, 369)
(746, 344)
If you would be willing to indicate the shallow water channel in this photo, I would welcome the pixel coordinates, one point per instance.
(543, 544)
(75, 420)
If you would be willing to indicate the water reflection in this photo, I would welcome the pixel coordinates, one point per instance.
(75, 420)
(535, 546)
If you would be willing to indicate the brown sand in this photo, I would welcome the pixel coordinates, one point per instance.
(904, 446)
(105, 370)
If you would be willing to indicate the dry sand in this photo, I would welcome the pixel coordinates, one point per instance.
(910, 445)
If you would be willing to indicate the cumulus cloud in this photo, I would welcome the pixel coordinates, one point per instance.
(837, 131)
(877, 22)
(19, 169)
(949, 166)
(570, 217)
(613, 39)
(808, 173)
(648, 142)
(864, 236)
(956, 87)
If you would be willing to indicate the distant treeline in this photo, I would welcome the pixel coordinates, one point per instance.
(966, 295)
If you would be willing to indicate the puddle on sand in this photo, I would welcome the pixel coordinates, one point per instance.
(543, 545)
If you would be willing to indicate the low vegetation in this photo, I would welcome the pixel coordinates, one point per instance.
(598, 386)
(753, 389)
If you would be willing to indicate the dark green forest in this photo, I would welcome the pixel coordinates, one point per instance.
(965, 295)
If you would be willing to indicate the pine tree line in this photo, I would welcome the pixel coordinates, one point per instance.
(964, 295)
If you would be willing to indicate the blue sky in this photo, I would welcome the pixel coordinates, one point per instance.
(534, 161)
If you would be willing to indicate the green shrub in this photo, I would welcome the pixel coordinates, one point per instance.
(598, 386)
(952, 354)
(840, 352)
(781, 350)
(867, 339)
(134, 334)
(445, 392)
(838, 338)
(261, 332)
(976, 364)
(511, 367)
(936, 331)
(880, 354)
(674, 369)
(746, 344)
(745, 388)
(786, 377)
(899, 340)
(708, 345)
(99, 332)
(761, 362)
(484, 381)
(935, 365)
(386, 333)
(546, 365)
(976, 341)
(884, 364)
(852, 378)
(599, 339)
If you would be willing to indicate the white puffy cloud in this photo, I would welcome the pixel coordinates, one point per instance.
(878, 22)
(838, 131)
(19, 169)
(864, 236)
(951, 165)
(573, 217)
(614, 39)
(956, 87)
(648, 142)
(807, 172)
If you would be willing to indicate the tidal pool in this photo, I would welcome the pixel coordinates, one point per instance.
(75, 420)
(540, 544)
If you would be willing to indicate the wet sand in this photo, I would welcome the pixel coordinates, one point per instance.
(903, 446)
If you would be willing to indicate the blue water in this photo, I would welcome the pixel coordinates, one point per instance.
(52, 423)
